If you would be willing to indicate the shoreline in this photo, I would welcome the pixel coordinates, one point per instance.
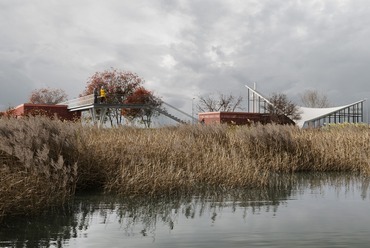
(43, 162)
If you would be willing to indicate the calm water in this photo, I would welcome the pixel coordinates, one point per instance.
(303, 211)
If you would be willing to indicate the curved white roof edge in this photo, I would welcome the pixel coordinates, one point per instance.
(309, 114)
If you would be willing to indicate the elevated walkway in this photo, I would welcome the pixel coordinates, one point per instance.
(99, 110)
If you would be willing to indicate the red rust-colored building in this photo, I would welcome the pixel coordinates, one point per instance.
(59, 111)
(240, 118)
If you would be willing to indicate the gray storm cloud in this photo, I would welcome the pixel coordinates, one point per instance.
(184, 49)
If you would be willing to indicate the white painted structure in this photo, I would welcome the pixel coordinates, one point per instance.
(312, 117)
(317, 117)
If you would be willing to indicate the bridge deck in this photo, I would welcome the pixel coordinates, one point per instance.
(91, 103)
(106, 105)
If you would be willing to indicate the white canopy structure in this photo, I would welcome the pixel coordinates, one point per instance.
(317, 117)
(312, 117)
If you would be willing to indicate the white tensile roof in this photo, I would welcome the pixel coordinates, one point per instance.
(308, 114)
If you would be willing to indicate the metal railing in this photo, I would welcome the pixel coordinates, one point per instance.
(117, 100)
(179, 114)
(79, 102)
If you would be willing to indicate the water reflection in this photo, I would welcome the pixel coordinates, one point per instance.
(153, 217)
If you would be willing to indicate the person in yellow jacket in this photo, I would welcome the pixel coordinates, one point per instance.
(103, 95)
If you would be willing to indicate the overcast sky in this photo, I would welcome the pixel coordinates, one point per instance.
(184, 48)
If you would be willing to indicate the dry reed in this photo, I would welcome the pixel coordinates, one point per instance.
(38, 165)
(137, 161)
(42, 161)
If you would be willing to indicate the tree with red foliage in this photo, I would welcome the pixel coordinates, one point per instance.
(116, 83)
(47, 96)
(144, 97)
(118, 86)
(121, 87)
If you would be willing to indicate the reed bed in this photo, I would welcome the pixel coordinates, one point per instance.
(166, 160)
(38, 164)
(42, 161)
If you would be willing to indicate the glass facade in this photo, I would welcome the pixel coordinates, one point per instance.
(312, 117)
(350, 114)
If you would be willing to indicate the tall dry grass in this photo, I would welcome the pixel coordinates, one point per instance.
(42, 161)
(38, 164)
(137, 161)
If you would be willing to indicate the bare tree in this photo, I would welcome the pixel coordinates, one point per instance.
(47, 96)
(313, 99)
(281, 105)
(219, 102)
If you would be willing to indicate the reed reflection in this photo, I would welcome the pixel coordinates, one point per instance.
(142, 215)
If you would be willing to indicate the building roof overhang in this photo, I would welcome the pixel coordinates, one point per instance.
(312, 114)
